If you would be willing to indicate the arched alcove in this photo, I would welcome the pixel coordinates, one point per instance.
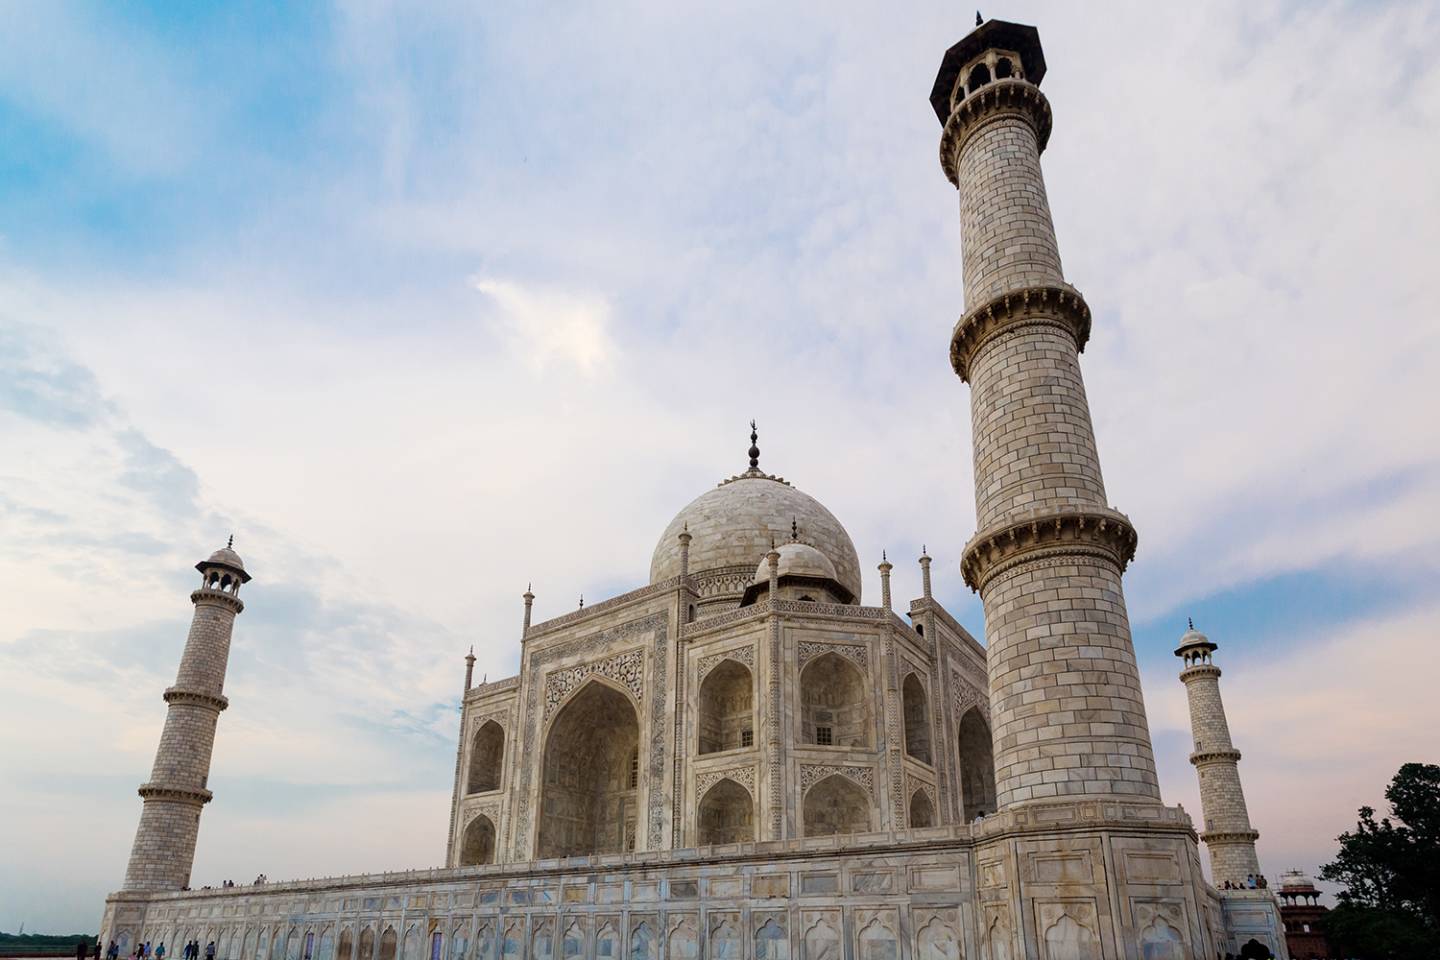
(922, 811)
(836, 805)
(588, 795)
(917, 719)
(834, 706)
(642, 942)
(726, 708)
(726, 815)
(388, 941)
(367, 944)
(977, 765)
(487, 754)
(478, 844)
(1065, 939)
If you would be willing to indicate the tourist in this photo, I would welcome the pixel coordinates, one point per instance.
(81, 949)
(209, 949)
(112, 952)
(1250, 881)
(160, 951)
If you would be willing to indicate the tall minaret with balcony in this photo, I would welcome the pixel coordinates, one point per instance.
(164, 849)
(1048, 556)
(1228, 834)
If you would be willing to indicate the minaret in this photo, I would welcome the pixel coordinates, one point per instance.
(885, 567)
(1228, 834)
(1049, 552)
(529, 599)
(164, 848)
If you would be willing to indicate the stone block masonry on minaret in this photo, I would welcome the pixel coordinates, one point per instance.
(164, 849)
(1228, 834)
(1068, 718)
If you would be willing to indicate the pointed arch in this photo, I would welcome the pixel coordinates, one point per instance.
(542, 941)
(836, 805)
(642, 942)
(727, 708)
(478, 844)
(1160, 941)
(513, 942)
(937, 940)
(247, 948)
(922, 811)
(588, 802)
(346, 945)
(917, 718)
(388, 942)
(487, 758)
(977, 765)
(683, 942)
(327, 945)
(367, 944)
(726, 815)
(877, 942)
(459, 942)
(821, 942)
(414, 946)
(607, 942)
(771, 943)
(1067, 939)
(572, 942)
(834, 704)
(726, 943)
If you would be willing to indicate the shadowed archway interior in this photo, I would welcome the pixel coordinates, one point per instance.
(977, 765)
(589, 789)
(727, 815)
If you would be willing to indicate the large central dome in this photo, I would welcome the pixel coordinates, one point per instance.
(733, 526)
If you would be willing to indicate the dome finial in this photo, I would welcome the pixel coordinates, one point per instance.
(979, 20)
(794, 531)
(1191, 622)
(754, 450)
(231, 542)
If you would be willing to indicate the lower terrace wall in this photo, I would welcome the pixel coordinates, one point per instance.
(905, 895)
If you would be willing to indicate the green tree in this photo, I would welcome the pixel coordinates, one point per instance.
(1389, 908)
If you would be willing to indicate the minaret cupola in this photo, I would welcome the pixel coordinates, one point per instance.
(994, 52)
(223, 571)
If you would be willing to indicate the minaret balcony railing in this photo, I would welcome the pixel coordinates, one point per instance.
(1095, 532)
(214, 701)
(214, 595)
(1002, 98)
(1202, 757)
(156, 791)
(1054, 306)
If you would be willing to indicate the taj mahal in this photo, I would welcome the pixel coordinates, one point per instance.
(744, 759)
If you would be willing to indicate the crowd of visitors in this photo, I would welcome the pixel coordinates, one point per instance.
(1253, 881)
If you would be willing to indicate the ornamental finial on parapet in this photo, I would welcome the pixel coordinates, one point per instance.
(754, 450)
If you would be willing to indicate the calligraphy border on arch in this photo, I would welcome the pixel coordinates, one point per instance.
(710, 661)
(813, 773)
(745, 776)
(856, 653)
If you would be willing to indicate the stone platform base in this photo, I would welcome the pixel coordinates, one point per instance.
(1066, 881)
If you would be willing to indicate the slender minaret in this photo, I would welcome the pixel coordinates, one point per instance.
(164, 848)
(1228, 834)
(1049, 552)
(885, 567)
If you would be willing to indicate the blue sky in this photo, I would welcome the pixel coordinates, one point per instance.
(426, 303)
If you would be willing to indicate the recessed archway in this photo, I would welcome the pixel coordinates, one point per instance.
(836, 805)
(834, 708)
(478, 845)
(588, 796)
(727, 815)
(726, 708)
(977, 765)
(487, 753)
(917, 719)
(922, 811)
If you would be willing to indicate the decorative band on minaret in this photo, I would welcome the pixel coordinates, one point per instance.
(1049, 552)
(164, 849)
(1227, 834)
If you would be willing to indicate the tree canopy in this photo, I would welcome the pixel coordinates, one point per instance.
(1389, 908)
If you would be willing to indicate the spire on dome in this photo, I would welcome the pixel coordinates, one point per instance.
(754, 450)
(794, 530)
(230, 544)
